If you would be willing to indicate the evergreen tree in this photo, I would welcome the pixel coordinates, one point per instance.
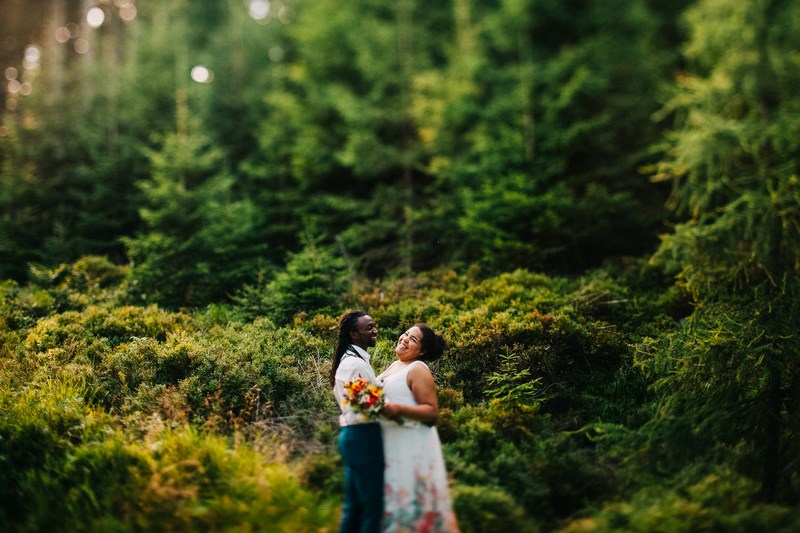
(196, 247)
(24, 219)
(313, 282)
(546, 128)
(75, 153)
(733, 161)
(340, 129)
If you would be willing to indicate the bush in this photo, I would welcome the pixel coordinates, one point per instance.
(547, 419)
(488, 509)
(21, 307)
(145, 361)
(720, 500)
(40, 426)
(198, 482)
(113, 326)
(89, 280)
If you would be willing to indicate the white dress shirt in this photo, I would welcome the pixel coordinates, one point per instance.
(354, 363)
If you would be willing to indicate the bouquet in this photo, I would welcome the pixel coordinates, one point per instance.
(365, 397)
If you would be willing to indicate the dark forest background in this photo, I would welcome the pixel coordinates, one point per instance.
(596, 202)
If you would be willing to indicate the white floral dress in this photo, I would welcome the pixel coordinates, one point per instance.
(416, 495)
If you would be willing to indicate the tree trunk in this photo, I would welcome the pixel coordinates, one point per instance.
(405, 30)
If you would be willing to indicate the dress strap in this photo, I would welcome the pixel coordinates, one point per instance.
(420, 362)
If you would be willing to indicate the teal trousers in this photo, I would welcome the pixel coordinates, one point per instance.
(361, 447)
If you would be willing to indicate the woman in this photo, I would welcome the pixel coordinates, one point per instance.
(416, 496)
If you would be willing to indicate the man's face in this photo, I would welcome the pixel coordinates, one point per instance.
(366, 333)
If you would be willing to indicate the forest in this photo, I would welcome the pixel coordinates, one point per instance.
(596, 203)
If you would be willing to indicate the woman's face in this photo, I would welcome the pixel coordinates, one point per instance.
(409, 345)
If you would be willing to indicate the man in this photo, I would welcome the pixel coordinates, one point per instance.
(360, 440)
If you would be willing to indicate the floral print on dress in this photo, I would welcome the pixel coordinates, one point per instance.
(416, 495)
(421, 516)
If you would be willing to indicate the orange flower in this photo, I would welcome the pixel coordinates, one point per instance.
(364, 397)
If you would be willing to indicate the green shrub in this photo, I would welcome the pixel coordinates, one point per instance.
(91, 280)
(323, 472)
(254, 371)
(198, 482)
(549, 472)
(147, 362)
(544, 412)
(40, 424)
(92, 489)
(717, 501)
(60, 474)
(21, 307)
(489, 509)
(95, 343)
(114, 326)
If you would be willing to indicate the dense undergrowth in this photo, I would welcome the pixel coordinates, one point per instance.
(557, 396)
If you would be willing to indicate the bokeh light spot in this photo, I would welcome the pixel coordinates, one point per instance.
(127, 13)
(259, 9)
(81, 46)
(95, 17)
(62, 34)
(33, 54)
(201, 74)
(14, 86)
(275, 54)
(11, 73)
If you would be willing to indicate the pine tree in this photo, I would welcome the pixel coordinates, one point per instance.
(313, 282)
(733, 162)
(546, 119)
(196, 245)
(340, 130)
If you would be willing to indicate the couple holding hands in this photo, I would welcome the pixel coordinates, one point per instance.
(395, 478)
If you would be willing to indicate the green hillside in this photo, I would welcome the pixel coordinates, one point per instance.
(596, 203)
